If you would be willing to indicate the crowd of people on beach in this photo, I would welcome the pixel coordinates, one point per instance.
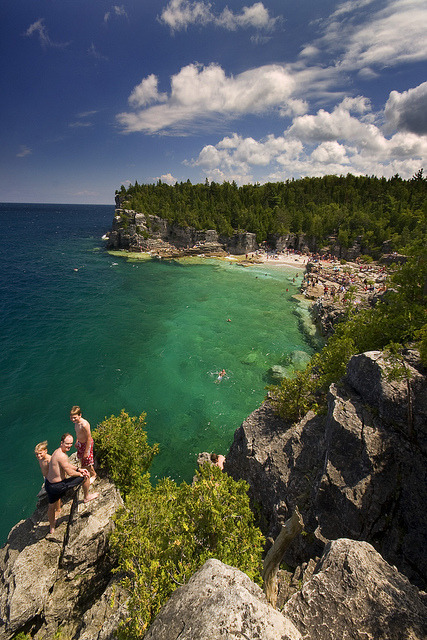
(59, 474)
(328, 279)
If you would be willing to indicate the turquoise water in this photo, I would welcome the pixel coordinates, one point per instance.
(79, 326)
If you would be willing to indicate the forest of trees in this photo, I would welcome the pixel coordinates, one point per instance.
(347, 207)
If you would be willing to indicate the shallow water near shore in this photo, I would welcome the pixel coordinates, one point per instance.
(80, 326)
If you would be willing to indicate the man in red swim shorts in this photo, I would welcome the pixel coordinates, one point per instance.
(84, 442)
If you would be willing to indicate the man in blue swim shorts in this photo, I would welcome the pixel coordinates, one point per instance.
(56, 482)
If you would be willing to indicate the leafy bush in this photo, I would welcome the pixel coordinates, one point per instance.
(165, 533)
(294, 396)
(121, 445)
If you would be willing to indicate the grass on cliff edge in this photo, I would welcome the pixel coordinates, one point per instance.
(165, 533)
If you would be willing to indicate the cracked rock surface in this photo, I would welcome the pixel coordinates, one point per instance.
(359, 472)
(63, 580)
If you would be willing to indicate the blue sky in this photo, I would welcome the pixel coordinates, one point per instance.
(95, 94)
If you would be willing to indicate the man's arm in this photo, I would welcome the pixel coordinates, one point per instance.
(70, 469)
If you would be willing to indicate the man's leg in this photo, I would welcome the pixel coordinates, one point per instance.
(87, 497)
(91, 470)
(51, 514)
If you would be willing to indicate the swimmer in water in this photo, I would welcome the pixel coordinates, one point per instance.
(221, 375)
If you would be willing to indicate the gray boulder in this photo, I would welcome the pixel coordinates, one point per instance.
(220, 602)
(354, 594)
(367, 374)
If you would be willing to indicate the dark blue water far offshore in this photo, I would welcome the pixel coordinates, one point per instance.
(80, 326)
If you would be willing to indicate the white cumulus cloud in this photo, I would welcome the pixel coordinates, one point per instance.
(146, 92)
(200, 93)
(343, 140)
(167, 178)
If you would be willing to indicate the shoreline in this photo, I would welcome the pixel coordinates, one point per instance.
(294, 261)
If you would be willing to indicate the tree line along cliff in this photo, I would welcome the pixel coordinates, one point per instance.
(370, 209)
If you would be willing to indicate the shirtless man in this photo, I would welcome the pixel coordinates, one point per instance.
(56, 484)
(44, 458)
(84, 441)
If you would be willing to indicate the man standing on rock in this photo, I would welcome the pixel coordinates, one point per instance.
(84, 441)
(56, 484)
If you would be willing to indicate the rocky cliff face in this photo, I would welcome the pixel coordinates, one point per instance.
(356, 595)
(352, 594)
(138, 232)
(359, 472)
(62, 581)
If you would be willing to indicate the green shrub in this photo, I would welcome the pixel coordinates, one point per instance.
(294, 396)
(122, 448)
(165, 533)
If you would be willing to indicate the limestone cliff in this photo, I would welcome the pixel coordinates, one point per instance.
(62, 581)
(135, 231)
(359, 472)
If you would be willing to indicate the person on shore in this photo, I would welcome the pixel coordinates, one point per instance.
(57, 484)
(218, 460)
(84, 441)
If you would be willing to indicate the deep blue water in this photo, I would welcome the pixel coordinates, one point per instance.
(79, 326)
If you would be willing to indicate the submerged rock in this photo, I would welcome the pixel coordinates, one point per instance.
(300, 359)
(276, 373)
